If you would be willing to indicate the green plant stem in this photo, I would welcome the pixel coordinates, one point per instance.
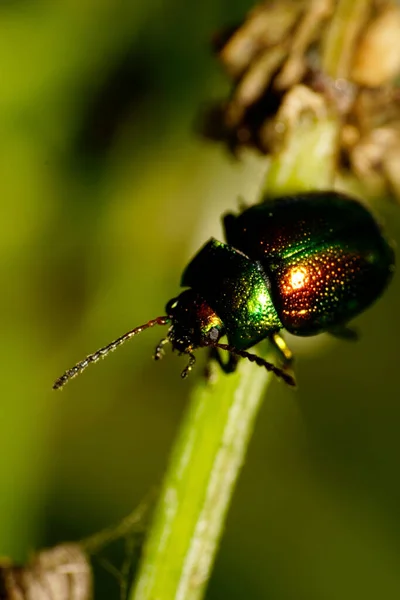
(204, 468)
(213, 439)
(307, 161)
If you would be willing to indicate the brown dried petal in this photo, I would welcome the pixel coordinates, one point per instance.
(391, 169)
(306, 32)
(377, 58)
(253, 84)
(265, 26)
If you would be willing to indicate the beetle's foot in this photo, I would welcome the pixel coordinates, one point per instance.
(189, 366)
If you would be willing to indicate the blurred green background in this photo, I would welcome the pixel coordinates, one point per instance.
(106, 194)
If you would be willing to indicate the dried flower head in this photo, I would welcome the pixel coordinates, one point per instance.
(59, 573)
(292, 57)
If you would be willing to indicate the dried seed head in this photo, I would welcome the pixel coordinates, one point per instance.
(57, 573)
(278, 54)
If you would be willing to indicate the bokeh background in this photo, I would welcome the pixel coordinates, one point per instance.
(106, 193)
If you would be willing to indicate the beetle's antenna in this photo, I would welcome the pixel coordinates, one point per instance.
(289, 379)
(102, 352)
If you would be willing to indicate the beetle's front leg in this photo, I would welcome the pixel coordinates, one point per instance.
(228, 366)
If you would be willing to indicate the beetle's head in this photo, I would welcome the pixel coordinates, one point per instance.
(193, 323)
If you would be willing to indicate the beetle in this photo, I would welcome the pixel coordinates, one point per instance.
(307, 263)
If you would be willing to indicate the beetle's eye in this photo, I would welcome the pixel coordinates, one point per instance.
(214, 334)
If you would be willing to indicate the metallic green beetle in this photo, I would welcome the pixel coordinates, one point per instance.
(307, 263)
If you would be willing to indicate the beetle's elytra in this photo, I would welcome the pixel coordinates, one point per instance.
(307, 263)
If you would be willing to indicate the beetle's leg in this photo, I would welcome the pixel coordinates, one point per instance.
(343, 332)
(189, 366)
(159, 351)
(228, 223)
(284, 374)
(281, 346)
(227, 367)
